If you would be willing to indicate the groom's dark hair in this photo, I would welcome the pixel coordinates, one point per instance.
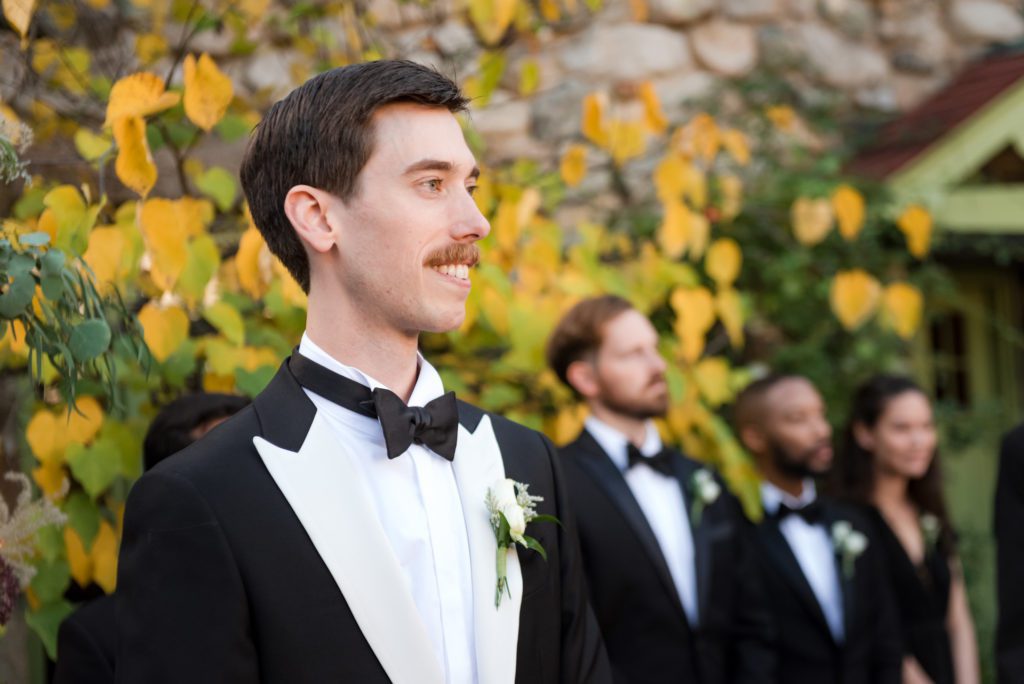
(321, 135)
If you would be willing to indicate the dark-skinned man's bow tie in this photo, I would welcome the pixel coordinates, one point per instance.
(435, 425)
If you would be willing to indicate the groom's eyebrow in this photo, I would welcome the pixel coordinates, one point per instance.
(437, 165)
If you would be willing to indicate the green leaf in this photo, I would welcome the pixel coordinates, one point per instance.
(46, 621)
(232, 127)
(95, 466)
(252, 383)
(51, 579)
(226, 319)
(218, 184)
(37, 239)
(203, 262)
(52, 287)
(18, 296)
(535, 545)
(50, 542)
(51, 263)
(89, 339)
(83, 516)
(546, 518)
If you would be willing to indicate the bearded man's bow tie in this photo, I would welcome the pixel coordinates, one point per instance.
(435, 425)
(661, 461)
(811, 513)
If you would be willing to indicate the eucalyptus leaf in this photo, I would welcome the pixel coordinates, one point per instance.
(89, 339)
(18, 296)
(37, 239)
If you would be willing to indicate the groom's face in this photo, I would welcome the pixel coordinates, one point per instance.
(410, 228)
(630, 371)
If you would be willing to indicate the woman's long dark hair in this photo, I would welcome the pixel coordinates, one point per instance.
(853, 475)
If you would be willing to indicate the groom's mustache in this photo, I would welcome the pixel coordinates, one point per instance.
(455, 253)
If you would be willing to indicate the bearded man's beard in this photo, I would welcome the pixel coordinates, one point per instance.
(794, 465)
(651, 406)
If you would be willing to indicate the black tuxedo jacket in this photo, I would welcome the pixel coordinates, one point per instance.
(87, 644)
(219, 581)
(635, 599)
(871, 652)
(1009, 527)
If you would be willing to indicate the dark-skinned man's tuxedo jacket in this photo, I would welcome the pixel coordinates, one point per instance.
(871, 652)
(645, 627)
(254, 555)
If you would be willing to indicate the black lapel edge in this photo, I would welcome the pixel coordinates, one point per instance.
(785, 560)
(603, 471)
(284, 411)
(846, 584)
(684, 469)
(470, 416)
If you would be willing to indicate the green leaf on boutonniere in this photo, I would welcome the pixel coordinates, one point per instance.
(535, 545)
(546, 518)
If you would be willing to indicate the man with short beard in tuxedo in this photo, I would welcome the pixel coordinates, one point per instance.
(671, 582)
(826, 587)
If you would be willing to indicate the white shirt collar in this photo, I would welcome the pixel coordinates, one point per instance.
(428, 381)
(772, 496)
(615, 443)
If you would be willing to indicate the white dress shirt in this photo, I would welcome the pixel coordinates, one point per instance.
(417, 502)
(662, 502)
(812, 546)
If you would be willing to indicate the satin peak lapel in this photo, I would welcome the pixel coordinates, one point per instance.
(478, 466)
(326, 492)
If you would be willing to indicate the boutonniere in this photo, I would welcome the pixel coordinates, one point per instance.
(849, 544)
(931, 530)
(704, 490)
(512, 508)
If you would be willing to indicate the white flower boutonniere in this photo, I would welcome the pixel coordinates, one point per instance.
(849, 544)
(931, 530)
(704, 490)
(512, 508)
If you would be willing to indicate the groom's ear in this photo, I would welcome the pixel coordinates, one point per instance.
(313, 215)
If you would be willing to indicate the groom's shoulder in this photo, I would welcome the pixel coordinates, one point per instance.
(516, 441)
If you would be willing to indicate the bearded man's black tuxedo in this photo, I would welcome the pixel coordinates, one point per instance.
(227, 575)
(870, 652)
(645, 626)
(1009, 527)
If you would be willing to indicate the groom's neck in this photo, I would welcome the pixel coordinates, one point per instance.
(363, 342)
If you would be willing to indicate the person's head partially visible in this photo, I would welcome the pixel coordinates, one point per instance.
(607, 352)
(361, 183)
(185, 420)
(781, 420)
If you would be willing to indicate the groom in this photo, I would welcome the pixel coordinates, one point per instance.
(337, 531)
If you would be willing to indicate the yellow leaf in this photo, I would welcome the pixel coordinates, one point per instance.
(529, 78)
(712, 378)
(723, 261)
(495, 310)
(676, 176)
(492, 18)
(84, 422)
(134, 165)
(675, 229)
(736, 144)
(854, 297)
(848, 205)
(137, 96)
(916, 224)
(568, 423)
(90, 145)
(46, 437)
(812, 220)
(782, 117)
(700, 233)
(52, 480)
(594, 126)
(164, 330)
(729, 307)
(208, 91)
(105, 255)
(224, 384)
(574, 165)
(15, 337)
(550, 10)
(104, 557)
(639, 10)
(700, 138)
(731, 188)
(695, 314)
(253, 262)
(903, 305)
(150, 47)
(290, 288)
(166, 238)
(79, 560)
(19, 15)
(626, 140)
(653, 114)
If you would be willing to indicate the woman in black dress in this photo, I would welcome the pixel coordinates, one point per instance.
(887, 462)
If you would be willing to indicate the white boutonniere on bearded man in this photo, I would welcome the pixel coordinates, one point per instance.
(849, 544)
(512, 508)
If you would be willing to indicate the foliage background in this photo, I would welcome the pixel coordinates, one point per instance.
(745, 242)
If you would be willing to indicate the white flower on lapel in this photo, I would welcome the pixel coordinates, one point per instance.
(849, 544)
(931, 530)
(512, 508)
(704, 491)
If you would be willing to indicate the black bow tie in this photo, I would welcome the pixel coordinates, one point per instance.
(811, 513)
(435, 425)
(661, 461)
